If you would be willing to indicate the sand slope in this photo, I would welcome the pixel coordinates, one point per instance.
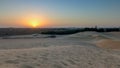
(108, 43)
(58, 57)
(69, 51)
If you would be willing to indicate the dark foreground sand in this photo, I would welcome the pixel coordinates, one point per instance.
(81, 50)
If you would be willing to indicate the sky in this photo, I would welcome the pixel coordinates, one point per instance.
(59, 13)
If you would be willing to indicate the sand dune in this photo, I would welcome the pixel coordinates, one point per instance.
(87, 36)
(58, 57)
(69, 51)
(108, 43)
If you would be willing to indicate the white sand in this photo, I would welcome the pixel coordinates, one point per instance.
(72, 51)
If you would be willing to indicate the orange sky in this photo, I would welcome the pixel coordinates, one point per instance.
(59, 13)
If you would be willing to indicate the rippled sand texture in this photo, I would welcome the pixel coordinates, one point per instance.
(81, 50)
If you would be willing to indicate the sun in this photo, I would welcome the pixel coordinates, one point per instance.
(34, 23)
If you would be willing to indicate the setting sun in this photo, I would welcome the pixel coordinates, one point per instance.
(33, 20)
(35, 23)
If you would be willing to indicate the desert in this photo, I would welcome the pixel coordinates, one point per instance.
(80, 50)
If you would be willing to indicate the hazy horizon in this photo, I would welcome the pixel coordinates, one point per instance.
(59, 13)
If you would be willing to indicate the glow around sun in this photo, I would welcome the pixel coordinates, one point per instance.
(35, 23)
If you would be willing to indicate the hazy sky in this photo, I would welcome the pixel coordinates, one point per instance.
(60, 13)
